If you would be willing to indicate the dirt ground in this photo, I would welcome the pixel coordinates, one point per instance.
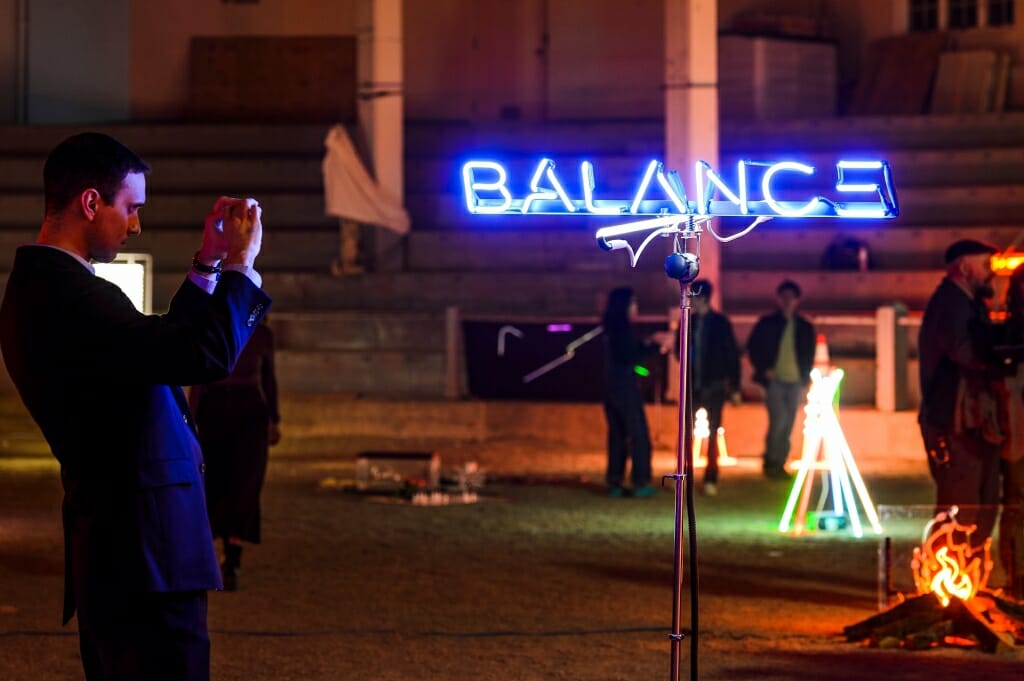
(544, 578)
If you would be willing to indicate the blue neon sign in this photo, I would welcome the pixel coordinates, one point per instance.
(867, 182)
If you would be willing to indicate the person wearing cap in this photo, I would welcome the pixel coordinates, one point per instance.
(958, 414)
(781, 349)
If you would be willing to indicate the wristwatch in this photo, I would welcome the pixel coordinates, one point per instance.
(199, 266)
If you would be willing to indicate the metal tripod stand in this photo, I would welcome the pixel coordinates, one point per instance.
(684, 266)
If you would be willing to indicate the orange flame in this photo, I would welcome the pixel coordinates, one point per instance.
(949, 568)
(950, 581)
(1003, 264)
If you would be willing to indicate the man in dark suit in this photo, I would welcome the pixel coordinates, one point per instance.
(103, 382)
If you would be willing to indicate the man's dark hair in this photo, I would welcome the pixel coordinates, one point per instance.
(788, 285)
(89, 160)
(616, 310)
(702, 288)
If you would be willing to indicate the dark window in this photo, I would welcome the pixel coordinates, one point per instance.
(1000, 12)
(963, 13)
(924, 15)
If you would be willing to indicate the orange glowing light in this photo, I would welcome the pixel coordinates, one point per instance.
(947, 567)
(1006, 262)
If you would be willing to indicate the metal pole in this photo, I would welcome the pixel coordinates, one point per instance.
(684, 267)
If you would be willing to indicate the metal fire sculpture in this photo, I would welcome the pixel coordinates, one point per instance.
(947, 567)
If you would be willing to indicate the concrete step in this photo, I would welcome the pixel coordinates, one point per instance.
(475, 292)
(376, 354)
(771, 246)
(831, 291)
(735, 138)
(231, 176)
(378, 373)
(154, 141)
(868, 431)
(619, 175)
(172, 249)
(329, 421)
(558, 294)
(432, 140)
(354, 331)
(281, 210)
(874, 132)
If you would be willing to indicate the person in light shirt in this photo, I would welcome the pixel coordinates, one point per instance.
(781, 349)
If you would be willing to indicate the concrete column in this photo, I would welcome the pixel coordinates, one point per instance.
(454, 376)
(691, 104)
(380, 109)
(890, 358)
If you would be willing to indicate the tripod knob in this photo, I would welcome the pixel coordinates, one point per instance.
(682, 266)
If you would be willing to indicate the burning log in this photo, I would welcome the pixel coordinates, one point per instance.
(987, 621)
(951, 573)
(922, 610)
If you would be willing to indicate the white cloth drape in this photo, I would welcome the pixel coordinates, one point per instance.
(350, 192)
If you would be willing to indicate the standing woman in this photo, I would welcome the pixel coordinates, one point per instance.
(623, 405)
(238, 419)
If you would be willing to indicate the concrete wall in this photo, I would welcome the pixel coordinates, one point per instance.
(606, 59)
(79, 61)
(161, 29)
(8, 61)
(464, 59)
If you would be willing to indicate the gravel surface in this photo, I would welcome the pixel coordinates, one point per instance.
(544, 578)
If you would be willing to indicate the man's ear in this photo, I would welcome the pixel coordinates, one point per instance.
(89, 201)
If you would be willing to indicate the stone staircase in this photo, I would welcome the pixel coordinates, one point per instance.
(383, 334)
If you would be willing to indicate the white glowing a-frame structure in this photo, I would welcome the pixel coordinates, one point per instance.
(825, 449)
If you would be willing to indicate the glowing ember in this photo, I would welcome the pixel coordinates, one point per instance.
(947, 567)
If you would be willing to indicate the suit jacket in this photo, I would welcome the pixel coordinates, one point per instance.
(103, 382)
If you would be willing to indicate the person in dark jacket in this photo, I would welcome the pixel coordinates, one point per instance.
(958, 416)
(238, 420)
(714, 370)
(628, 437)
(103, 380)
(781, 348)
(1011, 520)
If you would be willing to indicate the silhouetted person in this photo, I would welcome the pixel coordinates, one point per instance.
(958, 415)
(102, 381)
(1011, 521)
(781, 347)
(238, 420)
(714, 370)
(628, 437)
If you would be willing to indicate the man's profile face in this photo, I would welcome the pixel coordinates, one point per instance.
(115, 222)
(977, 270)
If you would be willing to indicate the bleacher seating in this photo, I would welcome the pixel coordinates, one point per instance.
(382, 334)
